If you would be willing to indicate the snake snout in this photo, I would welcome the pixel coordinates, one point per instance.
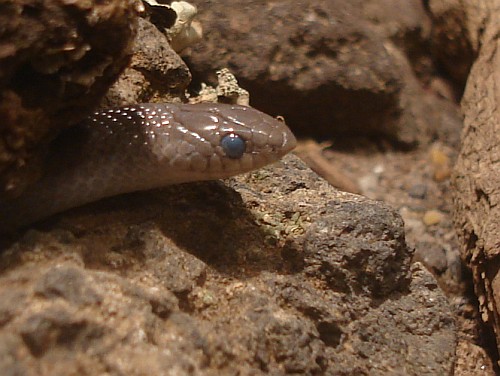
(289, 141)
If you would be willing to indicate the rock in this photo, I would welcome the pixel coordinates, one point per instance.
(156, 72)
(479, 363)
(454, 43)
(272, 272)
(418, 191)
(57, 60)
(330, 67)
(375, 256)
(432, 256)
(476, 177)
(433, 217)
(440, 162)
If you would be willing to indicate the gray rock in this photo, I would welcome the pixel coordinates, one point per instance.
(418, 191)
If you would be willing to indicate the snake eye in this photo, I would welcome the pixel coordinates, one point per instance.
(233, 145)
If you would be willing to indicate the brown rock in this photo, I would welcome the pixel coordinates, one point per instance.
(274, 272)
(57, 59)
(477, 172)
(433, 217)
(330, 67)
(455, 43)
(155, 74)
(472, 360)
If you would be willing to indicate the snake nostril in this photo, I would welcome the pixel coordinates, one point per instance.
(233, 145)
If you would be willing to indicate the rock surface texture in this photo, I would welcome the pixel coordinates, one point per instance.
(155, 74)
(273, 273)
(57, 60)
(477, 172)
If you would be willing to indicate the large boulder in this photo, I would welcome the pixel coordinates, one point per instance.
(273, 272)
(332, 68)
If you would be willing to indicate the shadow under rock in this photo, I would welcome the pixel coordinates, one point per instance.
(208, 220)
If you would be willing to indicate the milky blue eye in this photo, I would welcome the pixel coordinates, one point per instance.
(233, 145)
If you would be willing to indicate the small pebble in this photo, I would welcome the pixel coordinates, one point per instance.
(432, 217)
(418, 191)
(378, 169)
(441, 164)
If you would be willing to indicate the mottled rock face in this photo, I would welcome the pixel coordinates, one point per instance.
(57, 59)
(155, 73)
(330, 67)
(275, 270)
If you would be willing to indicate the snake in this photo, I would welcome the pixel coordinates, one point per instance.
(147, 146)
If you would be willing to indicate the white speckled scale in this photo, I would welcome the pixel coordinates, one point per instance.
(144, 147)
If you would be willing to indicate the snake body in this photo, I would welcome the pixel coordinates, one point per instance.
(148, 146)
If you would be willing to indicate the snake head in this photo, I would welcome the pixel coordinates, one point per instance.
(212, 141)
